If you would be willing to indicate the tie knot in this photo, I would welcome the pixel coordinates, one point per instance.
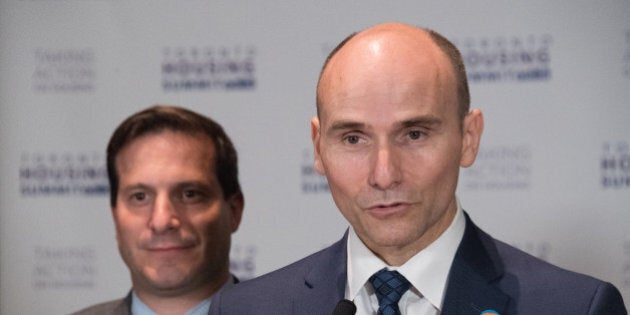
(389, 287)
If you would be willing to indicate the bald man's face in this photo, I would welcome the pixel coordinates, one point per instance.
(389, 140)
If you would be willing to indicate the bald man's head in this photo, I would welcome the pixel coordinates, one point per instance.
(412, 43)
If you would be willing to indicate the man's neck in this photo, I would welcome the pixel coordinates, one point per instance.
(168, 303)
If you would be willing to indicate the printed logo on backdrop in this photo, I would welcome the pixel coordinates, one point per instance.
(626, 56)
(221, 68)
(615, 165)
(500, 168)
(312, 182)
(63, 174)
(64, 267)
(243, 261)
(64, 70)
(507, 58)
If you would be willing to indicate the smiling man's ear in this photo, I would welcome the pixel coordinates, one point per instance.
(237, 204)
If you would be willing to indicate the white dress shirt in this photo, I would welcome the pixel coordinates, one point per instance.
(427, 272)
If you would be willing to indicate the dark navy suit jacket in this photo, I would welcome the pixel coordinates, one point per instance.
(486, 274)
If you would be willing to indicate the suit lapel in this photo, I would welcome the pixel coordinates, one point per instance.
(325, 281)
(470, 287)
(124, 308)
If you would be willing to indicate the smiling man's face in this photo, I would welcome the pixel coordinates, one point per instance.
(173, 224)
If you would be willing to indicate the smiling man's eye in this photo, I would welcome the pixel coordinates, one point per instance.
(139, 196)
(190, 194)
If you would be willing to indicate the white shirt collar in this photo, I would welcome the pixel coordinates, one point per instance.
(427, 270)
(139, 308)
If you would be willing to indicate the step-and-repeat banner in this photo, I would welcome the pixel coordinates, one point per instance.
(552, 78)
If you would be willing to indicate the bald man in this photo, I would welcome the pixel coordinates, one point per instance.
(393, 128)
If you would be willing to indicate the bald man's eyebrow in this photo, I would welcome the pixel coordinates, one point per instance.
(423, 121)
(346, 125)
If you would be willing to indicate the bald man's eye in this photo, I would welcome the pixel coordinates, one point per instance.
(415, 134)
(352, 139)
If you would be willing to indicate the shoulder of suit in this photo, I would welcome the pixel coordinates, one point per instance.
(517, 261)
(288, 273)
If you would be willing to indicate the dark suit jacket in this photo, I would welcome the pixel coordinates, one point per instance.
(486, 275)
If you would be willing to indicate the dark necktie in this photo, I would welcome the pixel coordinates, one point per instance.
(389, 287)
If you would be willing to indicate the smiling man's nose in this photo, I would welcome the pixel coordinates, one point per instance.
(164, 216)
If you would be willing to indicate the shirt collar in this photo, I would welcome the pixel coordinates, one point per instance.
(427, 271)
(139, 308)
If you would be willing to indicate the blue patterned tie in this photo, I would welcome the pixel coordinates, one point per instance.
(389, 287)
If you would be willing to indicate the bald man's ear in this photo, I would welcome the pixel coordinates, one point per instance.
(471, 137)
(315, 136)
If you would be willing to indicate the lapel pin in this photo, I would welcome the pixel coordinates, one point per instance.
(489, 312)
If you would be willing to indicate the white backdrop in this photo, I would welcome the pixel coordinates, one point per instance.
(552, 78)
